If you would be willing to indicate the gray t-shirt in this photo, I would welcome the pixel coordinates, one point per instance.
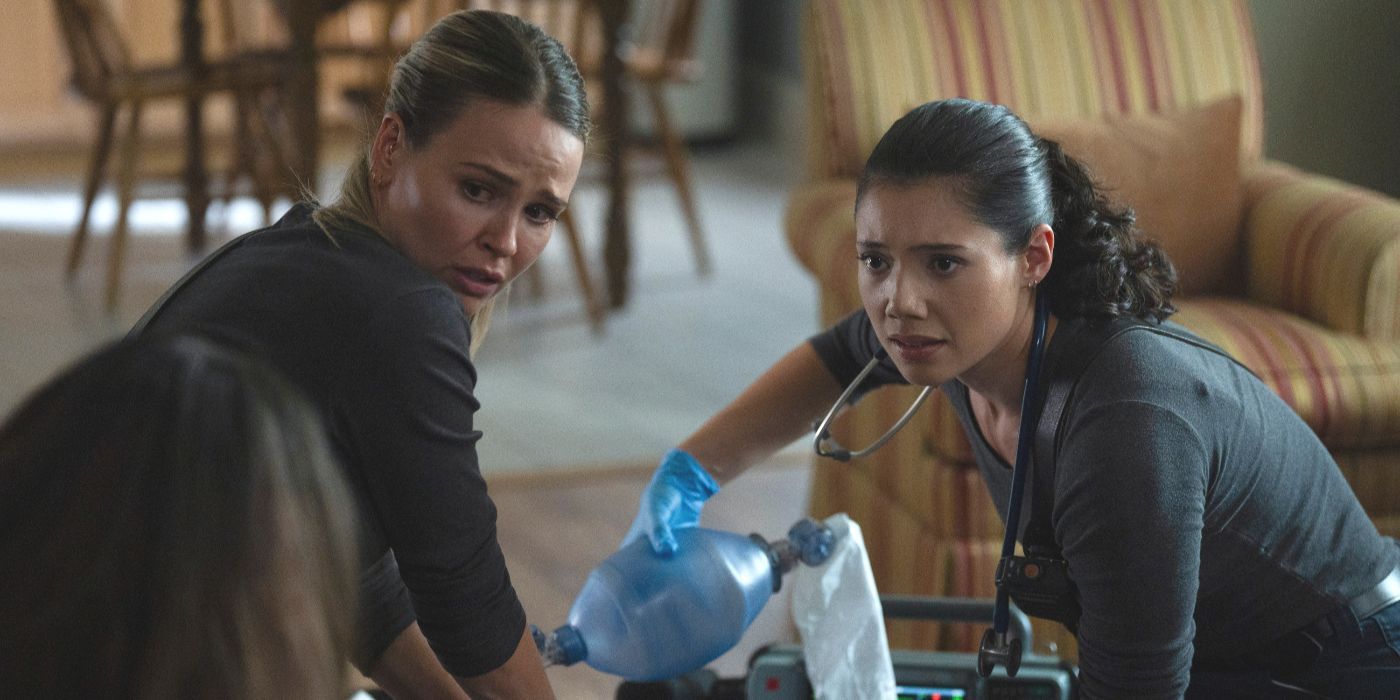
(1198, 513)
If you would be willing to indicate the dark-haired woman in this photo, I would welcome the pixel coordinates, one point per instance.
(1214, 544)
(374, 304)
(172, 525)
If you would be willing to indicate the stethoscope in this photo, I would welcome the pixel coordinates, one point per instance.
(997, 646)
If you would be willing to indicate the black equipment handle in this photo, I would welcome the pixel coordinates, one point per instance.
(910, 607)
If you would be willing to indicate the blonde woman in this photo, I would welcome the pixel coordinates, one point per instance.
(373, 304)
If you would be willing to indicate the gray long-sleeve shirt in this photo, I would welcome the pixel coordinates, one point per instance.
(1199, 515)
(381, 349)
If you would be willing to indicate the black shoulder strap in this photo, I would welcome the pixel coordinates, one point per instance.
(1079, 351)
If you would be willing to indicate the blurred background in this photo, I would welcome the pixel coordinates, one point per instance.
(690, 289)
(559, 389)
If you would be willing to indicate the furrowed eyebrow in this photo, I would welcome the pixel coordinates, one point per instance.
(493, 172)
(923, 248)
(549, 198)
(940, 248)
(553, 200)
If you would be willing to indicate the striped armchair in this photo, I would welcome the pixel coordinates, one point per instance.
(1316, 305)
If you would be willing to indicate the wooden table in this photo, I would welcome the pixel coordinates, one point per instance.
(302, 85)
(196, 178)
(617, 246)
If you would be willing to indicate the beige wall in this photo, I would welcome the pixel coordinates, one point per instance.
(32, 76)
(1331, 72)
(1332, 86)
(39, 110)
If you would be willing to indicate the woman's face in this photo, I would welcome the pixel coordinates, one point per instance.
(945, 298)
(476, 204)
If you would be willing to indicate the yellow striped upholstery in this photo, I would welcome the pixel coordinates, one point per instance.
(870, 61)
(1320, 326)
(1346, 387)
(1323, 249)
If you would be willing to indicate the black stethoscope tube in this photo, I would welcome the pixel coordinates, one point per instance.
(996, 648)
(995, 645)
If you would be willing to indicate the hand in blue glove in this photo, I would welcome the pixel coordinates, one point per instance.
(672, 501)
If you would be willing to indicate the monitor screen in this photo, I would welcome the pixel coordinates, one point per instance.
(920, 692)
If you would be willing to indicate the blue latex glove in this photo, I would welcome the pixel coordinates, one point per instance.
(672, 501)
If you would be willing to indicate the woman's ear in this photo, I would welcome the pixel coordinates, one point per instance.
(389, 142)
(1040, 252)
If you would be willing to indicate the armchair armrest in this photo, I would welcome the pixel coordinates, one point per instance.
(1323, 249)
(821, 232)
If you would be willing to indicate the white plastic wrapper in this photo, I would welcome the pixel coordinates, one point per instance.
(837, 612)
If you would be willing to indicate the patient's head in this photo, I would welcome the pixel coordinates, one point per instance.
(171, 525)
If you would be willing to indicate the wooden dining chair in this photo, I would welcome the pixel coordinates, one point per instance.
(362, 32)
(251, 32)
(104, 74)
(660, 51)
(569, 21)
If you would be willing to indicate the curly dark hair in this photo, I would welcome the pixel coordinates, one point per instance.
(1012, 180)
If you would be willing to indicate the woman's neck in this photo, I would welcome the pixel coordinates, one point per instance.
(999, 380)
